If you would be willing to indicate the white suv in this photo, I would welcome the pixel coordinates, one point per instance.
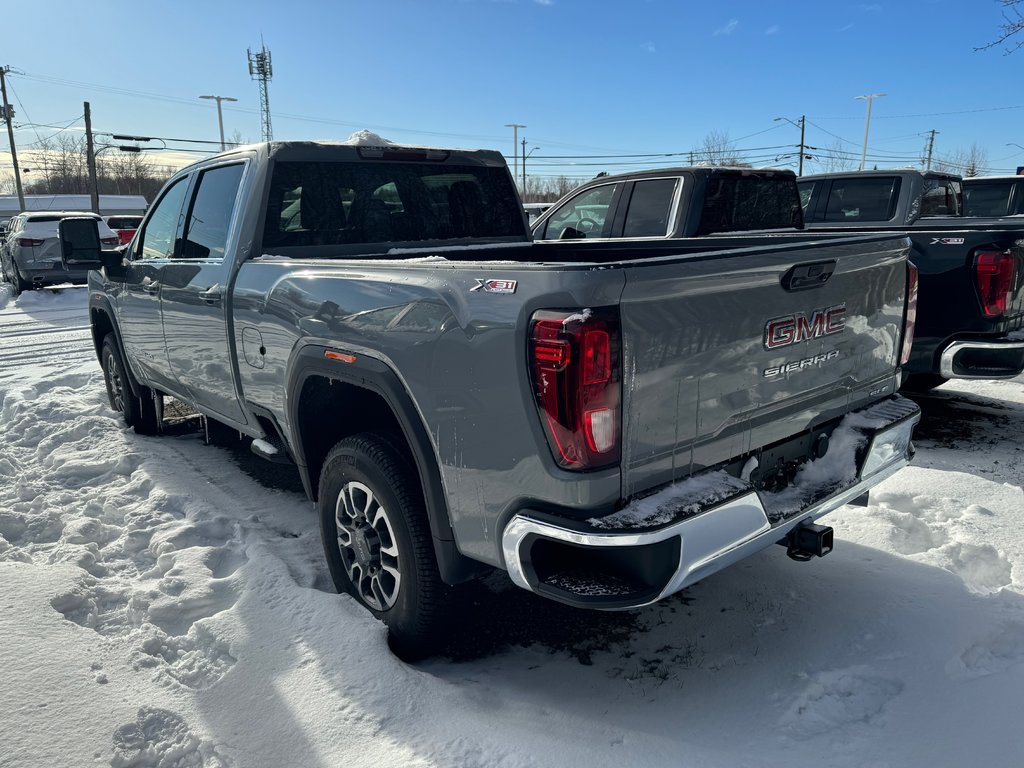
(30, 254)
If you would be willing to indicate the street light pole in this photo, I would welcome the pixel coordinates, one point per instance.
(220, 117)
(867, 123)
(526, 155)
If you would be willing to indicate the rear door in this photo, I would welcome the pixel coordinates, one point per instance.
(725, 353)
(195, 289)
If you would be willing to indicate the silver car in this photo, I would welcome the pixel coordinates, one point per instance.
(30, 255)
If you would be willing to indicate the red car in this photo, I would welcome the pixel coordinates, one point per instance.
(123, 226)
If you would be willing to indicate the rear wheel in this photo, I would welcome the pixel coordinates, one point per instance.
(377, 541)
(140, 412)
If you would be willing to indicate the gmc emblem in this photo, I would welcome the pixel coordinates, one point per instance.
(792, 329)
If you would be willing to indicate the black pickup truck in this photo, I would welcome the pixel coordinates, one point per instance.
(971, 269)
(607, 424)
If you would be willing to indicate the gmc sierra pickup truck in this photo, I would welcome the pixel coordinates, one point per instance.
(971, 269)
(607, 425)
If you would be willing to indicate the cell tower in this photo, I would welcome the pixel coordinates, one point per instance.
(261, 68)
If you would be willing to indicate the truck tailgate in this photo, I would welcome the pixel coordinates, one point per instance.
(730, 352)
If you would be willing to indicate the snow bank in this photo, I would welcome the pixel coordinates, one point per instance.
(163, 608)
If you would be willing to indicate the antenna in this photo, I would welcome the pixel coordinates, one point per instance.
(261, 68)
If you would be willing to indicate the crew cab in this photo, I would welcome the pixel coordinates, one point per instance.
(607, 424)
(971, 269)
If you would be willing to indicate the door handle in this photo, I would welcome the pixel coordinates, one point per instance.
(152, 288)
(211, 295)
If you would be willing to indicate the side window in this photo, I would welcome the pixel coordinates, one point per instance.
(650, 207)
(806, 191)
(586, 215)
(157, 241)
(863, 199)
(941, 198)
(206, 234)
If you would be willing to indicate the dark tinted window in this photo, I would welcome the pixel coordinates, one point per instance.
(339, 203)
(649, 208)
(863, 199)
(734, 202)
(806, 189)
(941, 197)
(206, 234)
(987, 198)
(123, 222)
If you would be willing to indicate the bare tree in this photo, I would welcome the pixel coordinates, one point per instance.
(965, 162)
(1013, 24)
(547, 189)
(58, 166)
(834, 158)
(718, 149)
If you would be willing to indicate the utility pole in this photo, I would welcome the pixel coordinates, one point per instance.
(867, 124)
(803, 147)
(261, 68)
(90, 159)
(803, 126)
(220, 117)
(515, 146)
(931, 146)
(9, 117)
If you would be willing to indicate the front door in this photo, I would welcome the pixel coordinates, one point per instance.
(194, 294)
(138, 303)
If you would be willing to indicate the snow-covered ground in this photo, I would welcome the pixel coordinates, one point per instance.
(163, 605)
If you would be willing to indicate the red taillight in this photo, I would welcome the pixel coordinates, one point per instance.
(110, 241)
(29, 241)
(911, 317)
(574, 361)
(995, 272)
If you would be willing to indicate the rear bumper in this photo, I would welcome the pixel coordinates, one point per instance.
(636, 556)
(982, 359)
(49, 275)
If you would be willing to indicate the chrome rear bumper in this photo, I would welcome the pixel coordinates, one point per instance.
(631, 565)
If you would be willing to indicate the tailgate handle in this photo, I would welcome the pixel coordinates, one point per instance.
(804, 276)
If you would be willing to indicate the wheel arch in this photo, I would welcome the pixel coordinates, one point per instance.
(101, 322)
(328, 400)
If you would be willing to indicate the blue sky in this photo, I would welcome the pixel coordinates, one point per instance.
(586, 77)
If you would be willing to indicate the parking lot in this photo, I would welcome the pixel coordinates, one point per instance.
(162, 605)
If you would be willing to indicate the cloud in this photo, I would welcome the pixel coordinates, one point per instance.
(544, 2)
(871, 7)
(846, 28)
(772, 30)
(649, 47)
(728, 29)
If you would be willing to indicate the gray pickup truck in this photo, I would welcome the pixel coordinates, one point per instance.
(608, 426)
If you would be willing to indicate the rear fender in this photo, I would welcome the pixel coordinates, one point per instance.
(374, 376)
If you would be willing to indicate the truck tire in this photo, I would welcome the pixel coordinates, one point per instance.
(377, 540)
(141, 413)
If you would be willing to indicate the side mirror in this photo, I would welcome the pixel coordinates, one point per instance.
(80, 247)
(79, 242)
